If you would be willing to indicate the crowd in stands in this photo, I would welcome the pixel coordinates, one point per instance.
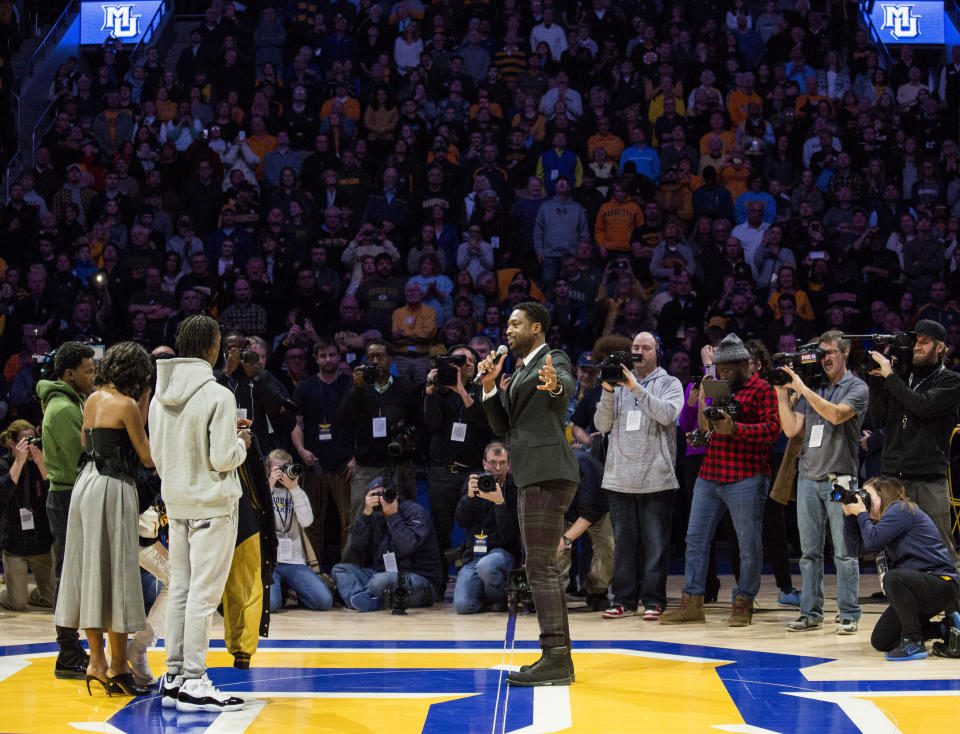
(410, 171)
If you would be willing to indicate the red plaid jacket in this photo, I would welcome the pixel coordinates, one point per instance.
(747, 451)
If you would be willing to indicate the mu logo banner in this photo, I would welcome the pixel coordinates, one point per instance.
(920, 21)
(900, 21)
(124, 20)
(119, 20)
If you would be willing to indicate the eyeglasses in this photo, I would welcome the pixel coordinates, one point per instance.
(830, 352)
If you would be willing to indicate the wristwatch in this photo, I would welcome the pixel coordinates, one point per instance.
(567, 543)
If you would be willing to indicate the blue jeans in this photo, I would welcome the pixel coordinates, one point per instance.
(641, 547)
(814, 512)
(744, 499)
(483, 581)
(311, 591)
(352, 579)
(551, 268)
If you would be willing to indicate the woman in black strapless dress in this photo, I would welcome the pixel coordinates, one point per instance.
(100, 588)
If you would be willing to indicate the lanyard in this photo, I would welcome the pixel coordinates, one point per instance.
(932, 374)
(284, 509)
(832, 393)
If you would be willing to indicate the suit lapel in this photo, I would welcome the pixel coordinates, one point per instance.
(522, 392)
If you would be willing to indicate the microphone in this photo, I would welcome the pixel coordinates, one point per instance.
(501, 351)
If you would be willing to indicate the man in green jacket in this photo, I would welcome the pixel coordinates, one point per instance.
(531, 410)
(62, 403)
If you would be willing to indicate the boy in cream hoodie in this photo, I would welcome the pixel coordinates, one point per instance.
(197, 448)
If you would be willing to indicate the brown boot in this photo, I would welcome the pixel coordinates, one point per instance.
(742, 613)
(690, 610)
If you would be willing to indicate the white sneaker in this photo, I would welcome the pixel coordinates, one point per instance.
(168, 690)
(199, 694)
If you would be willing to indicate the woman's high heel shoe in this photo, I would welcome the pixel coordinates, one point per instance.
(124, 684)
(101, 681)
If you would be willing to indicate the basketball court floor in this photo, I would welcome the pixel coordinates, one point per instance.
(434, 671)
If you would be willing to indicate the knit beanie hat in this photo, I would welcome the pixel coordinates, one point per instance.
(731, 349)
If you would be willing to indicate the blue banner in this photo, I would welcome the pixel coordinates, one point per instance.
(124, 20)
(917, 22)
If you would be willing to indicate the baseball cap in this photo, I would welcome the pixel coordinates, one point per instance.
(717, 322)
(586, 360)
(930, 329)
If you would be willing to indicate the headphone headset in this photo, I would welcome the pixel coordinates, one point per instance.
(656, 336)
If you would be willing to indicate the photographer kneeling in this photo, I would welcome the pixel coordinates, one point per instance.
(487, 510)
(296, 560)
(920, 580)
(391, 534)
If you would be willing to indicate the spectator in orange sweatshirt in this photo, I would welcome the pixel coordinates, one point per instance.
(616, 220)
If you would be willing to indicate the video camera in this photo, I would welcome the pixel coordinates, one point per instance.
(806, 363)
(841, 491)
(898, 348)
(610, 368)
(402, 439)
(448, 368)
(42, 366)
(721, 400)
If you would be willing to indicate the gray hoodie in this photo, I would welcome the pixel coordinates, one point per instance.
(641, 461)
(194, 441)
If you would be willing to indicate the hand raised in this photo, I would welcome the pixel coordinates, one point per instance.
(548, 376)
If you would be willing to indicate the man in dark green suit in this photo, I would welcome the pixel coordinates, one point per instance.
(530, 410)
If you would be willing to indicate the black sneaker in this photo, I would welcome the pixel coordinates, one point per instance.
(199, 694)
(168, 690)
(908, 649)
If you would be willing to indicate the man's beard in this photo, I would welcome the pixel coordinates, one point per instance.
(929, 360)
(737, 378)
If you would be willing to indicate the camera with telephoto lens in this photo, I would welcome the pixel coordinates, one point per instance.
(371, 373)
(807, 363)
(698, 438)
(898, 348)
(448, 368)
(402, 439)
(249, 358)
(292, 471)
(610, 368)
(486, 482)
(841, 491)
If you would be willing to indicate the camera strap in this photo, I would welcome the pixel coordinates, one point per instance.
(933, 374)
(284, 509)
